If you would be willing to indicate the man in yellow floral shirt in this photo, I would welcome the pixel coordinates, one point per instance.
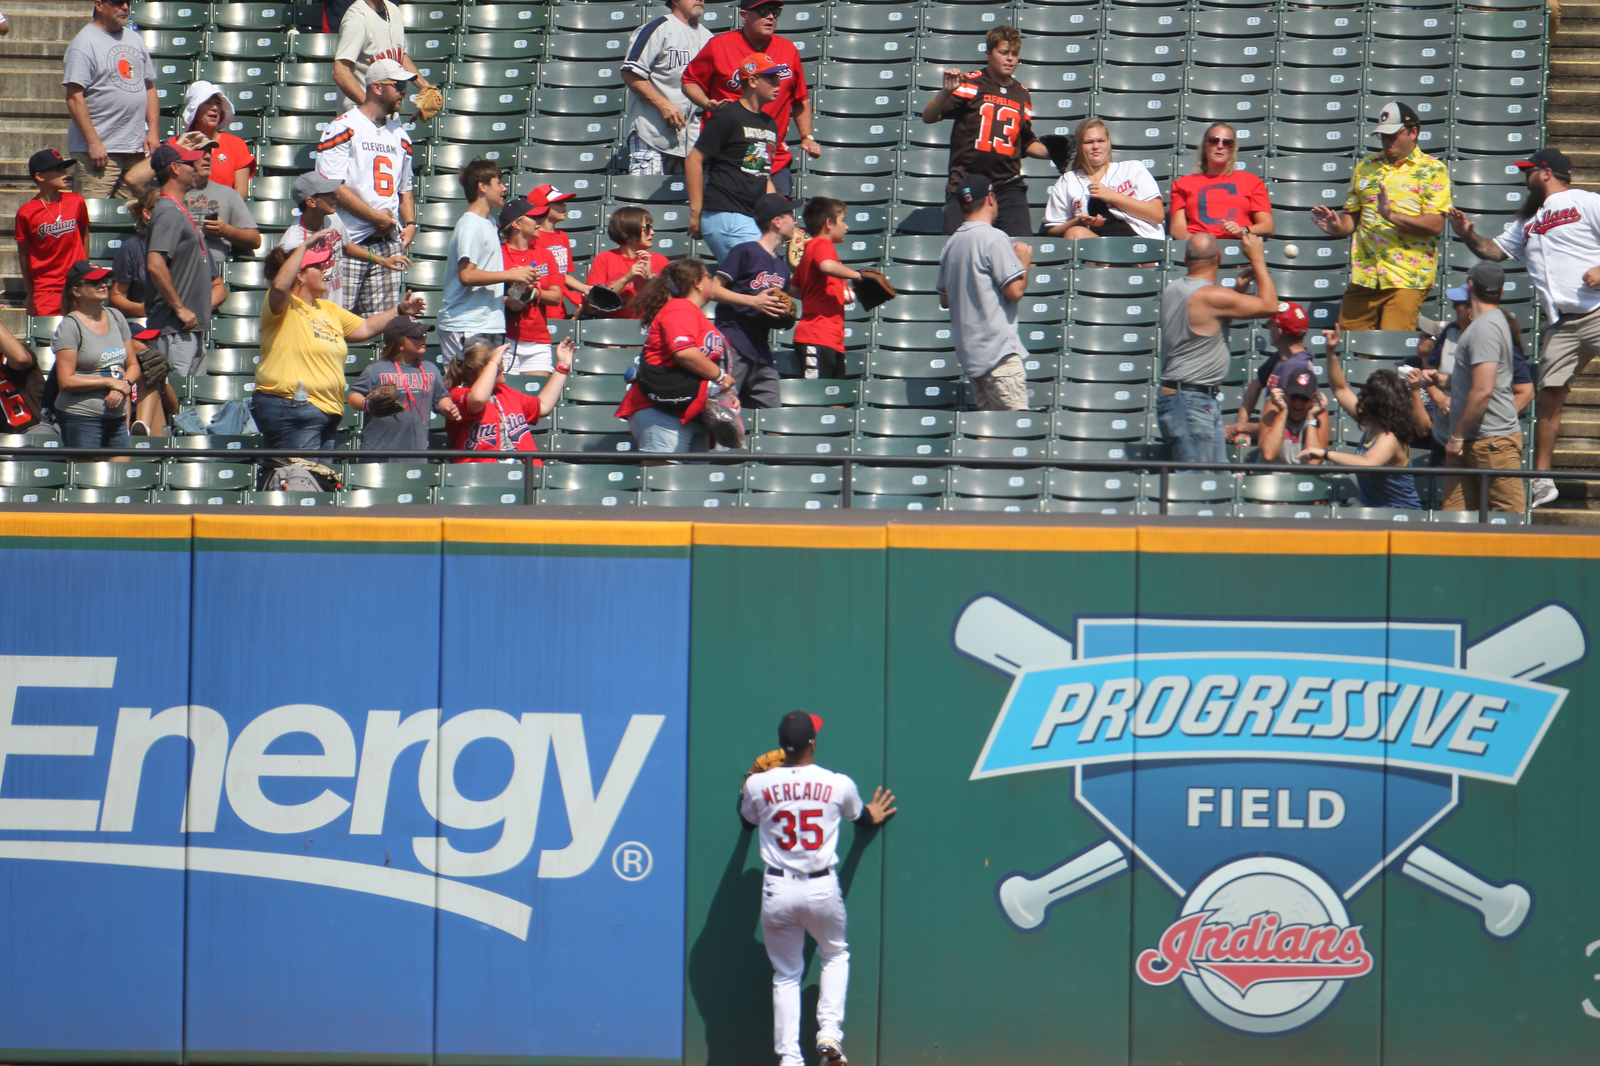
(1396, 208)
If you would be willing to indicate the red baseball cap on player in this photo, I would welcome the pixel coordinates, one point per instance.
(542, 196)
(1291, 320)
(758, 63)
(797, 729)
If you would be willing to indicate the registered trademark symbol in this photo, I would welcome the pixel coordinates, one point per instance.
(631, 860)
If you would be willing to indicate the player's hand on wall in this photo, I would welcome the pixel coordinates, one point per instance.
(881, 807)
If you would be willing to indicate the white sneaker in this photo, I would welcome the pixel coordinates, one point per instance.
(1544, 491)
(829, 1051)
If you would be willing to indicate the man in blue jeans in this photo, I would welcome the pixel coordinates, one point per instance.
(1195, 312)
(730, 166)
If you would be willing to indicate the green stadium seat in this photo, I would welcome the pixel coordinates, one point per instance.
(1098, 425)
(496, 75)
(853, 189)
(1495, 110)
(1500, 55)
(489, 18)
(587, 498)
(1262, 22)
(909, 393)
(122, 496)
(1380, 514)
(1324, 25)
(236, 332)
(1304, 195)
(594, 389)
(1003, 425)
(901, 422)
(1093, 485)
(888, 363)
(1116, 281)
(885, 447)
(970, 448)
(1125, 22)
(1503, 25)
(179, 16)
(990, 503)
(209, 474)
(1137, 107)
(1500, 83)
(802, 501)
(181, 43)
(1007, 484)
(478, 495)
(870, 48)
(1309, 168)
(694, 477)
(597, 18)
(800, 445)
(591, 477)
(290, 499)
(913, 308)
(818, 392)
(885, 132)
(921, 481)
(251, 44)
(408, 475)
(1495, 140)
(430, 17)
(1106, 369)
(525, 46)
(1295, 53)
(762, 480)
(489, 475)
(173, 74)
(593, 101)
(386, 497)
(34, 473)
(1109, 339)
(611, 333)
(1090, 311)
(1433, 24)
(1080, 396)
(474, 101)
(807, 421)
(108, 475)
(240, 304)
(688, 498)
(867, 18)
(1314, 137)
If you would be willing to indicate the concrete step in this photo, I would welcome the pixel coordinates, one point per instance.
(1577, 495)
(1577, 453)
(1550, 515)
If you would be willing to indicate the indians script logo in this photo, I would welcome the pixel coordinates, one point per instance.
(1551, 219)
(1273, 770)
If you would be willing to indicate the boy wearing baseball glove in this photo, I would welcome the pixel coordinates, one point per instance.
(750, 288)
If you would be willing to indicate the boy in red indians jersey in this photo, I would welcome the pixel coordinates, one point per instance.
(797, 807)
(993, 130)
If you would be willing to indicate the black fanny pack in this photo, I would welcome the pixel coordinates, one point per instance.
(670, 387)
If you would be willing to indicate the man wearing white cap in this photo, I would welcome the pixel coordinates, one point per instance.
(370, 152)
(1396, 206)
(1557, 232)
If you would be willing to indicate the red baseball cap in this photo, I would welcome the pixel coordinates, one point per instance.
(316, 256)
(1291, 319)
(760, 63)
(542, 196)
(147, 335)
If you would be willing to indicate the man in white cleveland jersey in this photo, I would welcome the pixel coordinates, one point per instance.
(797, 808)
(1557, 233)
(369, 150)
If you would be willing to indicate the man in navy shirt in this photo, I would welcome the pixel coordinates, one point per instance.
(747, 287)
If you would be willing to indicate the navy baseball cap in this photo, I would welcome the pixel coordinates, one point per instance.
(47, 159)
(514, 210)
(973, 190)
(771, 205)
(797, 729)
(1301, 383)
(1558, 162)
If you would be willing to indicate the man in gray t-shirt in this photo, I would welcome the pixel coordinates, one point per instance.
(111, 97)
(1484, 433)
(177, 297)
(982, 275)
(662, 124)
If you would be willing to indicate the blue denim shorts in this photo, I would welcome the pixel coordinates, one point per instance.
(654, 430)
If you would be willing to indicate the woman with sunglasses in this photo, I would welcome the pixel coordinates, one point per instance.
(94, 362)
(1219, 199)
(633, 262)
(1100, 197)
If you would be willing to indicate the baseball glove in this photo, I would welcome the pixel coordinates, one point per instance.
(767, 761)
(429, 102)
(797, 246)
(874, 289)
(1062, 147)
(788, 316)
(384, 401)
(153, 369)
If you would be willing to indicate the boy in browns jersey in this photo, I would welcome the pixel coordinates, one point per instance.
(993, 130)
(797, 806)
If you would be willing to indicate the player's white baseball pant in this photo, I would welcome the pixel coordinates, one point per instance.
(791, 908)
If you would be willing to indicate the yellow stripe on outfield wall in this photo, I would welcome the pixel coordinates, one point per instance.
(539, 531)
(1292, 539)
(317, 528)
(1512, 544)
(788, 536)
(102, 526)
(1013, 538)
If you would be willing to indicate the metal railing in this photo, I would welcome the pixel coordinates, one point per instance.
(1164, 468)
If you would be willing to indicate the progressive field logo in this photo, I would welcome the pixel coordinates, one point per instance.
(1269, 784)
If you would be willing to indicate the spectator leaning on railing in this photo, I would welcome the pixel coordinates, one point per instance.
(1396, 207)
(111, 97)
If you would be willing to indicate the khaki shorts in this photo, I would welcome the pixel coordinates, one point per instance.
(1363, 308)
(1568, 347)
(92, 184)
(1002, 389)
(1492, 453)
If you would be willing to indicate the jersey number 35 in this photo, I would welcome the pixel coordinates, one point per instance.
(809, 835)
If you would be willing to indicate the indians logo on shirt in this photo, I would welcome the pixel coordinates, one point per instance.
(59, 228)
(712, 344)
(1549, 220)
(505, 435)
(767, 280)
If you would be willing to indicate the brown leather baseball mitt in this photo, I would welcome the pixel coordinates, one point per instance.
(429, 102)
(788, 316)
(767, 761)
(384, 401)
(797, 245)
(874, 289)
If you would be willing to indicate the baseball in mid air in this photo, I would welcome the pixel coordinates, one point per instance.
(1292, 251)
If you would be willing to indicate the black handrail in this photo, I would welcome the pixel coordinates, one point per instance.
(1165, 467)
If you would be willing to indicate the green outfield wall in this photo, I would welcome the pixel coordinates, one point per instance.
(1209, 796)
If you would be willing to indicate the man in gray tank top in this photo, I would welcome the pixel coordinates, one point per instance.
(1195, 312)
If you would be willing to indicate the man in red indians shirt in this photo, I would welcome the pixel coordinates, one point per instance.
(711, 81)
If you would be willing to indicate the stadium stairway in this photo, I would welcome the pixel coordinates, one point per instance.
(32, 116)
(1573, 119)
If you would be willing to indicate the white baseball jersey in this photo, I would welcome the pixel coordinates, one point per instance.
(1069, 196)
(797, 810)
(1559, 243)
(375, 161)
(365, 36)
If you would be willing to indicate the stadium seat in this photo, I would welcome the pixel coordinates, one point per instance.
(252, 44)
(1078, 396)
(1098, 425)
(319, 99)
(596, 477)
(807, 421)
(1091, 311)
(868, 18)
(1309, 168)
(1107, 486)
(1497, 55)
(474, 101)
(1119, 340)
(1116, 281)
(181, 43)
(1494, 140)
(762, 479)
(900, 481)
(1106, 368)
(522, 45)
(1120, 22)
(870, 48)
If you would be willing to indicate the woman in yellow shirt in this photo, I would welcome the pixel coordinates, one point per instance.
(300, 387)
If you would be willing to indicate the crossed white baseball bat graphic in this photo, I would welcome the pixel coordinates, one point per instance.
(1005, 639)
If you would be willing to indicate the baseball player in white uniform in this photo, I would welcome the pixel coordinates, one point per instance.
(369, 150)
(797, 805)
(1557, 233)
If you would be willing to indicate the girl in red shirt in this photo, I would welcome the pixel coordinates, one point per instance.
(1218, 199)
(494, 416)
(682, 350)
(207, 108)
(632, 263)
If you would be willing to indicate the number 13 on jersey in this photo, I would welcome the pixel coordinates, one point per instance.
(998, 131)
